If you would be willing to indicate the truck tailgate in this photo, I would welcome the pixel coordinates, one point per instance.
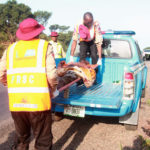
(104, 95)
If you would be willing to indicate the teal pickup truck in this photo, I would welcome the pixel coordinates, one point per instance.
(120, 84)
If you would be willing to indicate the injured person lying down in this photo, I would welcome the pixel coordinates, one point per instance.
(71, 71)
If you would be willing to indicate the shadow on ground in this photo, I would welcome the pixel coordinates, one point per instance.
(147, 130)
(140, 143)
(9, 142)
(79, 128)
(137, 144)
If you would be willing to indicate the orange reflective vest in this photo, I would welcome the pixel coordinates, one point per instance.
(57, 49)
(92, 35)
(26, 76)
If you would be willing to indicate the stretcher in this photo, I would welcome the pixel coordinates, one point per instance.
(73, 82)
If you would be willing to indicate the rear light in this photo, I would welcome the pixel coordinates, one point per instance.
(129, 76)
(128, 87)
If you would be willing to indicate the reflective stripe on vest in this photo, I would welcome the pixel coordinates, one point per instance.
(26, 70)
(27, 82)
(40, 53)
(22, 105)
(28, 90)
(11, 54)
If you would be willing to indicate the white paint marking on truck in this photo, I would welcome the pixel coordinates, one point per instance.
(137, 66)
(98, 106)
(139, 70)
(92, 105)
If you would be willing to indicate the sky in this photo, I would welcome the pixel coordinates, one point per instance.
(112, 14)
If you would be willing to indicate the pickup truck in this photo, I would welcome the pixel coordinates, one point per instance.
(120, 81)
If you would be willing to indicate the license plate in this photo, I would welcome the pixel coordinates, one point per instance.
(76, 111)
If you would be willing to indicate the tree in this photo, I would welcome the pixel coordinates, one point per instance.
(147, 48)
(54, 27)
(63, 28)
(42, 17)
(44, 36)
(12, 14)
(64, 39)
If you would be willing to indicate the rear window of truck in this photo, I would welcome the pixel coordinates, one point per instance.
(146, 50)
(116, 49)
(111, 49)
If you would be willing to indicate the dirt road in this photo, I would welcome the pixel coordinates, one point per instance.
(92, 133)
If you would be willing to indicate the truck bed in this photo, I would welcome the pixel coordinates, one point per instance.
(105, 95)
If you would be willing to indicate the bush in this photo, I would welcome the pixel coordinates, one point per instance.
(148, 102)
(64, 39)
(44, 36)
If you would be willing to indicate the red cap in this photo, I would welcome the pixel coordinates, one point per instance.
(28, 29)
(55, 34)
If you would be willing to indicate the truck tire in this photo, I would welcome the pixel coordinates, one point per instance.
(57, 116)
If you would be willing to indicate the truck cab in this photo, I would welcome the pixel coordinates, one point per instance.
(119, 82)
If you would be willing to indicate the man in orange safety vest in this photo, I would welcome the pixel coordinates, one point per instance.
(30, 68)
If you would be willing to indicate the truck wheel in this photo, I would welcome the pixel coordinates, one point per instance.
(143, 93)
(131, 127)
(57, 116)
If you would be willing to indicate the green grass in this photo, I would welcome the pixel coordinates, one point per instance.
(148, 102)
(121, 148)
(145, 143)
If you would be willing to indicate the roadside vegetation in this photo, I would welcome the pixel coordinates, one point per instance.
(148, 102)
(140, 143)
(12, 13)
(145, 143)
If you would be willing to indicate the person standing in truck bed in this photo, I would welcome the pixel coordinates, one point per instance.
(88, 32)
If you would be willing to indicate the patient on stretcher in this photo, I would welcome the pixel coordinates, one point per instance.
(71, 71)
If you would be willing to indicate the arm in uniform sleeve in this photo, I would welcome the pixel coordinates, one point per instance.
(75, 33)
(75, 39)
(98, 35)
(3, 68)
(98, 38)
(51, 70)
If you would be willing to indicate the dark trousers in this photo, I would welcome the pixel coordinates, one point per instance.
(88, 47)
(40, 122)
